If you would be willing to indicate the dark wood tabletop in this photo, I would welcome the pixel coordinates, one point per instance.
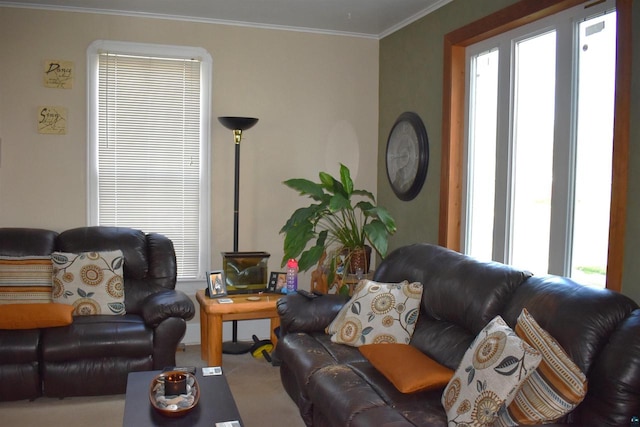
(216, 403)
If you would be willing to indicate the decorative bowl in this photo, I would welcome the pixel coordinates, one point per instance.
(176, 405)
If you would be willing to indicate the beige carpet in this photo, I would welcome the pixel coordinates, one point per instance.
(255, 385)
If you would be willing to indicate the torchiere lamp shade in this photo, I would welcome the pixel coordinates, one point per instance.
(238, 123)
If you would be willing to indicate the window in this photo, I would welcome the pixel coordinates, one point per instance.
(149, 144)
(453, 119)
(539, 144)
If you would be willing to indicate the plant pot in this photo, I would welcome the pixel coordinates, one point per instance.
(359, 258)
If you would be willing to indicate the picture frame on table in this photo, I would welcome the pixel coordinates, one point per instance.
(277, 282)
(216, 284)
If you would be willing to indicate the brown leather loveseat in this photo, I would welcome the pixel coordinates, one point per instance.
(94, 354)
(334, 385)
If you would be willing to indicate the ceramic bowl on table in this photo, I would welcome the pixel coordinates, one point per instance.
(183, 389)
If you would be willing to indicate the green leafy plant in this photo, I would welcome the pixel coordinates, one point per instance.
(340, 216)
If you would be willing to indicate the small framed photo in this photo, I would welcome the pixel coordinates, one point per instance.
(277, 281)
(216, 284)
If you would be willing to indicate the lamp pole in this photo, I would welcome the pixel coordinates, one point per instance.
(237, 125)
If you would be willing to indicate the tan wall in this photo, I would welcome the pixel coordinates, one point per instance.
(411, 67)
(316, 96)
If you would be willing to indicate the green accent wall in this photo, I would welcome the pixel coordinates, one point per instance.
(411, 69)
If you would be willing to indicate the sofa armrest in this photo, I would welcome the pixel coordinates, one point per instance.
(165, 304)
(300, 314)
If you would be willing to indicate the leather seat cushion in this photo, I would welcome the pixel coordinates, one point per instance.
(107, 375)
(19, 367)
(98, 336)
(422, 408)
(307, 353)
(358, 390)
(20, 381)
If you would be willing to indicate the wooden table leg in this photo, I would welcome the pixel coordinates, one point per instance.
(204, 336)
(214, 347)
(275, 322)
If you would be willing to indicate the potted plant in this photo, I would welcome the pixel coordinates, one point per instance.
(340, 217)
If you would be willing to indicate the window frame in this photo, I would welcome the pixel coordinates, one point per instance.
(453, 119)
(158, 50)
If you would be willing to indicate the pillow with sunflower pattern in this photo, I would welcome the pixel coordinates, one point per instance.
(90, 281)
(490, 374)
(378, 313)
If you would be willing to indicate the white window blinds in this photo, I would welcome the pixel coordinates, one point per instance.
(149, 149)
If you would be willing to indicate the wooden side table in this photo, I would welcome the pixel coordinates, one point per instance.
(212, 314)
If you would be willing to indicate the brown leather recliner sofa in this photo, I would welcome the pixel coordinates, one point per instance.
(94, 354)
(334, 385)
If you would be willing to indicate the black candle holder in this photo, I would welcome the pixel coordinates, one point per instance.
(175, 384)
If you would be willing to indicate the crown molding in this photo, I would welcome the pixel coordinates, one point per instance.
(59, 8)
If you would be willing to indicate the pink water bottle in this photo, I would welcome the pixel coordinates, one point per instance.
(292, 276)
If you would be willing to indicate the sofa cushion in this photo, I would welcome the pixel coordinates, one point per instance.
(490, 374)
(339, 391)
(25, 280)
(457, 288)
(132, 243)
(91, 281)
(377, 313)
(19, 242)
(581, 319)
(356, 393)
(408, 369)
(34, 316)
(308, 352)
(98, 337)
(554, 389)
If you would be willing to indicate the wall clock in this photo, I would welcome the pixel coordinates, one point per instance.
(407, 156)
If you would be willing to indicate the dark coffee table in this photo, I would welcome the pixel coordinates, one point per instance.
(216, 403)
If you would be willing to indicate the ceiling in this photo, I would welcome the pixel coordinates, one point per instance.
(365, 18)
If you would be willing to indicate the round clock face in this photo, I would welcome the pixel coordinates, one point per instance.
(407, 156)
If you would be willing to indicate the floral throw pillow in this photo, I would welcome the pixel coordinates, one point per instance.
(378, 313)
(492, 370)
(91, 281)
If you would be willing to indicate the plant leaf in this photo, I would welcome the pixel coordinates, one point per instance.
(345, 179)
(339, 202)
(507, 366)
(307, 214)
(305, 187)
(311, 257)
(344, 290)
(296, 240)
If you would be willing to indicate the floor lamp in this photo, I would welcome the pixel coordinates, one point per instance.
(237, 125)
